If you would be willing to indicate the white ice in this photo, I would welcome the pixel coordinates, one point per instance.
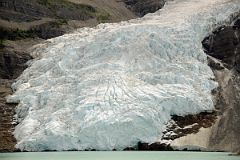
(114, 85)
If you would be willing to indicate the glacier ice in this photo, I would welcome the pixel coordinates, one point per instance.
(114, 85)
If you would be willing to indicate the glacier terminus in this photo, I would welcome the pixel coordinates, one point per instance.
(118, 84)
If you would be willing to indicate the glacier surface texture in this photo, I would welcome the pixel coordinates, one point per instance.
(114, 85)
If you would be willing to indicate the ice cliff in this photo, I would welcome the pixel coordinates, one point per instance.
(114, 85)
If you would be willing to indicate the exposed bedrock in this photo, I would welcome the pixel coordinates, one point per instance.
(223, 48)
(224, 45)
(142, 7)
(11, 66)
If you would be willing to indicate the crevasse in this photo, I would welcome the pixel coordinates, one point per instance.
(114, 85)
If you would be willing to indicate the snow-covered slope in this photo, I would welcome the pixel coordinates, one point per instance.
(114, 85)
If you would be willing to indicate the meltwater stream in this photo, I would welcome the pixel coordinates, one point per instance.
(114, 85)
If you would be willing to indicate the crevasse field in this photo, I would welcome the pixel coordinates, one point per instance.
(114, 85)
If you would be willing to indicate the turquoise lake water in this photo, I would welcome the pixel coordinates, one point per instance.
(118, 156)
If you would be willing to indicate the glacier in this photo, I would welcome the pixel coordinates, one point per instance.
(113, 85)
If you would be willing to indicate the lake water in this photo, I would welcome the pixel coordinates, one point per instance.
(117, 156)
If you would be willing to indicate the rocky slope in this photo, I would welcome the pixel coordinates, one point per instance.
(13, 58)
(223, 48)
(222, 134)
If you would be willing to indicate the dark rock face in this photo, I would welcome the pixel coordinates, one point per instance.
(48, 30)
(223, 46)
(141, 146)
(142, 7)
(11, 66)
(154, 147)
(201, 120)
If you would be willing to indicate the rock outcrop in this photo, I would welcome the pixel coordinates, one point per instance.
(223, 48)
(142, 7)
(11, 66)
(181, 126)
